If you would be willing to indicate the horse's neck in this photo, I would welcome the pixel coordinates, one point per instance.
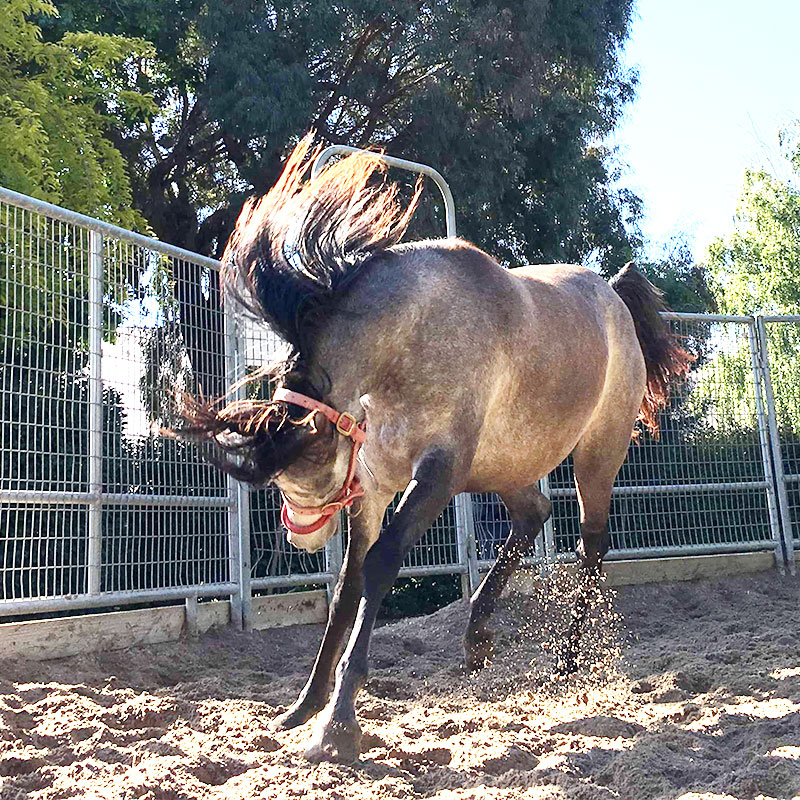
(343, 357)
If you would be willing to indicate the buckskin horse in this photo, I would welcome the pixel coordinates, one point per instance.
(428, 369)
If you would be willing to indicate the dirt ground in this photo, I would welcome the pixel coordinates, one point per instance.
(686, 691)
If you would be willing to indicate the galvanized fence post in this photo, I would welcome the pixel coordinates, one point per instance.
(333, 556)
(547, 550)
(234, 554)
(466, 544)
(238, 498)
(94, 552)
(764, 442)
(787, 545)
(243, 576)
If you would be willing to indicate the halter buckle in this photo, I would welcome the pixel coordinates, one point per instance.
(352, 424)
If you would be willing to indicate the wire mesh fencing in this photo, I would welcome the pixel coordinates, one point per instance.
(101, 327)
(701, 485)
(705, 485)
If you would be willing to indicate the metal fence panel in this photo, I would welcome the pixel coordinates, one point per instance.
(101, 327)
(700, 487)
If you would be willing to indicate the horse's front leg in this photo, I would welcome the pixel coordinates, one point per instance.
(364, 529)
(337, 736)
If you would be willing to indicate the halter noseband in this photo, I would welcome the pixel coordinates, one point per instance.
(347, 426)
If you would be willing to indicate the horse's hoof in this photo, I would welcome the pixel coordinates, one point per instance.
(566, 664)
(296, 715)
(335, 741)
(478, 649)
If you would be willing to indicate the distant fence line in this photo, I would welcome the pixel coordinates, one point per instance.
(98, 510)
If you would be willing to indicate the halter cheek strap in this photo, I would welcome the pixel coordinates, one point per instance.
(347, 426)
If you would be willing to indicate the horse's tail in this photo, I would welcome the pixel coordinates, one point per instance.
(664, 358)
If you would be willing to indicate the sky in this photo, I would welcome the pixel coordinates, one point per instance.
(718, 80)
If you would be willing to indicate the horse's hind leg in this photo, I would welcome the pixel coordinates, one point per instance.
(596, 459)
(528, 509)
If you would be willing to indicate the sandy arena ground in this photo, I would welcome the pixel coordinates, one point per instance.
(692, 691)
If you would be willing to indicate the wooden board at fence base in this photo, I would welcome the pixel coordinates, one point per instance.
(686, 568)
(68, 636)
(667, 569)
(295, 608)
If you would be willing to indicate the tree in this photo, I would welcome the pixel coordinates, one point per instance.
(508, 101)
(53, 133)
(684, 282)
(755, 267)
(54, 145)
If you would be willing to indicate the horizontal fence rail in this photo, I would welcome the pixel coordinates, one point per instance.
(101, 326)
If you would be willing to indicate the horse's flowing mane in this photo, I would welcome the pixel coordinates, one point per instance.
(304, 242)
(291, 256)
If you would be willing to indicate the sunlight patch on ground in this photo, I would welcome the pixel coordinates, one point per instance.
(705, 796)
(774, 708)
(786, 751)
(785, 672)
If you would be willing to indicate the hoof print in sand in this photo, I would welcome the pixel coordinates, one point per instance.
(515, 757)
(601, 726)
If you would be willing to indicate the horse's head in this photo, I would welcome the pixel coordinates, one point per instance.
(316, 489)
(299, 450)
(292, 257)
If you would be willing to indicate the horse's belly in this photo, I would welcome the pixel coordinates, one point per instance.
(520, 458)
(534, 421)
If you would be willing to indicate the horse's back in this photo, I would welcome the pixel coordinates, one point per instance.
(513, 361)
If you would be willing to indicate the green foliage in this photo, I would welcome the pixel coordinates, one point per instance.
(55, 101)
(684, 282)
(54, 120)
(755, 269)
(508, 101)
(755, 266)
(412, 597)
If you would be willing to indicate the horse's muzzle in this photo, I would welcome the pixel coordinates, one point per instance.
(313, 542)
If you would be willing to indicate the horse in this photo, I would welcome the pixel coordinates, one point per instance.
(424, 368)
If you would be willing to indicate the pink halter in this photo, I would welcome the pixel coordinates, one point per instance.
(347, 426)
